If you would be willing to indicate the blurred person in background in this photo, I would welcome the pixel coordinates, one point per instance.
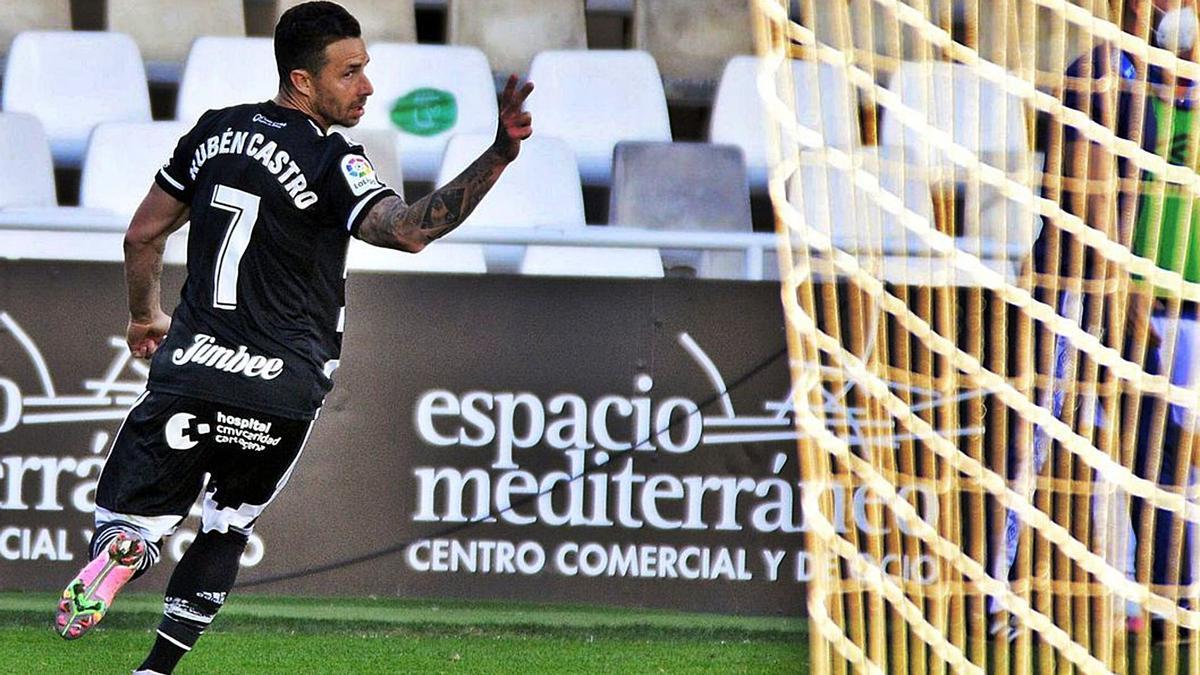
(1154, 108)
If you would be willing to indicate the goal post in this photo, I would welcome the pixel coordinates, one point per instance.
(990, 269)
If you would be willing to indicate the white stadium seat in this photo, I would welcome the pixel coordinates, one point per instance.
(121, 161)
(26, 169)
(32, 225)
(595, 99)
(165, 31)
(541, 189)
(951, 97)
(225, 71)
(428, 93)
(24, 237)
(73, 81)
(683, 187)
(73, 233)
(828, 197)
(986, 120)
(738, 115)
(854, 220)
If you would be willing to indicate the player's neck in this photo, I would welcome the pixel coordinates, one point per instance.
(284, 99)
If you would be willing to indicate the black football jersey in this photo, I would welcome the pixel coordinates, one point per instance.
(274, 202)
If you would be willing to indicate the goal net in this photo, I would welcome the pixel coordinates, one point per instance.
(991, 279)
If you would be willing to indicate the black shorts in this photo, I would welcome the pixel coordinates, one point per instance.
(168, 444)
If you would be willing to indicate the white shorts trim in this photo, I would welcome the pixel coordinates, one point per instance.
(152, 528)
(241, 519)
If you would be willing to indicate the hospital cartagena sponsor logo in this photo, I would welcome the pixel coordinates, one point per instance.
(245, 432)
(178, 431)
(182, 432)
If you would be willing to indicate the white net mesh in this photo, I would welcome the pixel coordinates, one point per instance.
(991, 284)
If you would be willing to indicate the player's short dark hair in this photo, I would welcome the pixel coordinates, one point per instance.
(304, 31)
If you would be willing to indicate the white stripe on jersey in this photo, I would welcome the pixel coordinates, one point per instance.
(358, 207)
(330, 366)
(172, 181)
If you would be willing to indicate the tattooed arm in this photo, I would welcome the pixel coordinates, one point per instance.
(410, 227)
(156, 218)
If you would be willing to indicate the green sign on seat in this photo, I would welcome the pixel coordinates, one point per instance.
(425, 111)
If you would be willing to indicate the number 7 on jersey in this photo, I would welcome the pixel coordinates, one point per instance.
(244, 207)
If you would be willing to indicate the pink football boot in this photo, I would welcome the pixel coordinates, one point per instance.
(87, 598)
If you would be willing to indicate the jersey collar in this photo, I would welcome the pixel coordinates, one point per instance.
(294, 113)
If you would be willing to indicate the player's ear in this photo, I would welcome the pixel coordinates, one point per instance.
(302, 81)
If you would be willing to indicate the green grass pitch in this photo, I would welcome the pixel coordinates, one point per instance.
(263, 634)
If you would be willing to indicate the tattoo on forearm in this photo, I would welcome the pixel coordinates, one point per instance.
(377, 227)
(440, 212)
(393, 223)
(445, 207)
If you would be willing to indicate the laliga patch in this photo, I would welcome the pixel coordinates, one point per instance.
(360, 175)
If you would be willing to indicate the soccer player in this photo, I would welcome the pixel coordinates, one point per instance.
(240, 370)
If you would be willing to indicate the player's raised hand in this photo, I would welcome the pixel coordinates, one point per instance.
(515, 123)
(144, 338)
